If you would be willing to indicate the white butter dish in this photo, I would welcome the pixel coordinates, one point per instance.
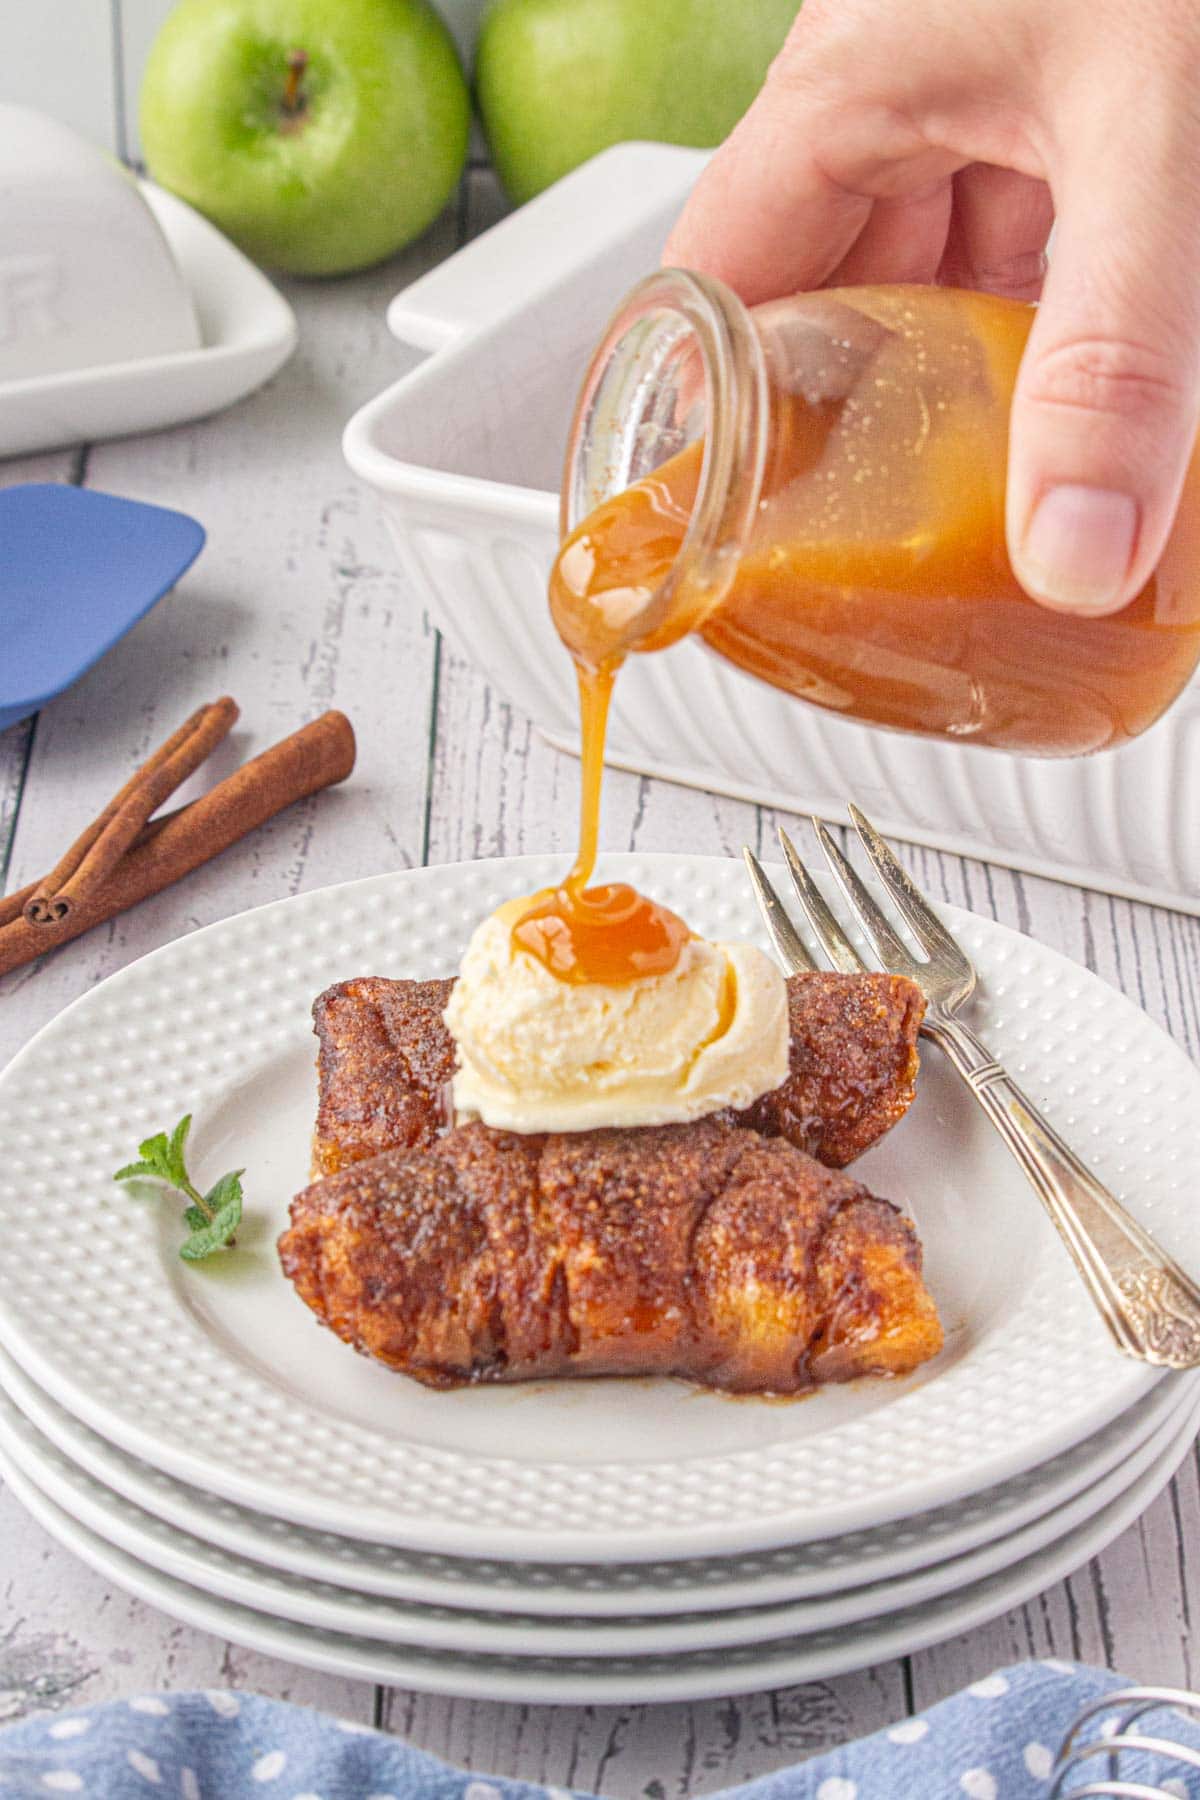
(121, 309)
(465, 453)
(86, 275)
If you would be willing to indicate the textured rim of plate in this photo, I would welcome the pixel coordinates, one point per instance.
(770, 1578)
(127, 1357)
(614, 1681)
(196, 1561)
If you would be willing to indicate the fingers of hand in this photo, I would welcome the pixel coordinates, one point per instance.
(762, 216)
(902, 240)
(788, 194)
(1105, 414)
(996, 241)
(863, 119)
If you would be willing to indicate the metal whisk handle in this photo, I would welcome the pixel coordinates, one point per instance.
(1119, 1739)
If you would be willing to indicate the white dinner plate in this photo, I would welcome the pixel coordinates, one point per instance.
(599, 1590)
(220, 1376)
(584, 1681)
(194, 1559)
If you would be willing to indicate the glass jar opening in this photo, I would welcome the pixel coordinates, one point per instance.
(680, 363)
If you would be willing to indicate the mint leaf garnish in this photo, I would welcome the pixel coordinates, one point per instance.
(135, 1171)
(219, 1234)
(175, 1150)
(212, 1218)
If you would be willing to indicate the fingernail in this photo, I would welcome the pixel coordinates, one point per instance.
(1077, 548)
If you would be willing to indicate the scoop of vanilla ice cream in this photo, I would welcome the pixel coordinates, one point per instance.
(539, 1054)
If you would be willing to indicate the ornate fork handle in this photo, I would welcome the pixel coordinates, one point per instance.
(1150, 1306)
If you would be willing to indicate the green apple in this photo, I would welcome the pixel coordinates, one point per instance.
(558, 80)
(320, 135)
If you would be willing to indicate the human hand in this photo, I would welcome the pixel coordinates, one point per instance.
(936, 140)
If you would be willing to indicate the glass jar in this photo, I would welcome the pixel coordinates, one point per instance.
(818, 491)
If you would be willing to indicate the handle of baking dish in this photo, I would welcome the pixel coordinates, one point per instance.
(628, 195)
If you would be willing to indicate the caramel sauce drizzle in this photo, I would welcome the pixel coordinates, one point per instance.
(609, 934)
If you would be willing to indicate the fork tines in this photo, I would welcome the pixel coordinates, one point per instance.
(943, 959)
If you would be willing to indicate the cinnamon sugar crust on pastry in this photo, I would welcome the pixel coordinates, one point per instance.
(703, 1251)
(383, 1068)
(853, 1064)
(386, 1060)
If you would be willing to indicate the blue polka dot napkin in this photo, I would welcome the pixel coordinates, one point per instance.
(996, 1740)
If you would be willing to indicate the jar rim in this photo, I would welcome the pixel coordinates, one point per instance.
(666, 310)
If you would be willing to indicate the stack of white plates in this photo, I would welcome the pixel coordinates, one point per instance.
(196, 1436)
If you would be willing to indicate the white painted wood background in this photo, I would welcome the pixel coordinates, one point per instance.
(295, 606)
(82, 60)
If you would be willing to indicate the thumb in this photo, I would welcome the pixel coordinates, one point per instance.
(1105, 413)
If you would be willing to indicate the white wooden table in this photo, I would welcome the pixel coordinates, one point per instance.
(294, 606)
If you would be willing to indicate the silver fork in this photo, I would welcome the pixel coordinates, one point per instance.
(1151, 1307)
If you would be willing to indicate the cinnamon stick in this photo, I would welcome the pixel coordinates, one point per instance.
(96, 852)
(167, 849)
(13, 905)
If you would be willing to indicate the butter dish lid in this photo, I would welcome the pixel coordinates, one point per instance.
(86, 273)
(122, 309)
(78, 568)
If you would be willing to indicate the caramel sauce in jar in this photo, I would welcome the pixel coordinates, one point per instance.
(872, 577)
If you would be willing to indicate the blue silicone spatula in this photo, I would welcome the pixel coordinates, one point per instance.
(77, 569)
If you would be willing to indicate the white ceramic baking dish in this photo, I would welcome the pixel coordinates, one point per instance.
(465, 454)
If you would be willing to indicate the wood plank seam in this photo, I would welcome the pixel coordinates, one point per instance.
(118, 80)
